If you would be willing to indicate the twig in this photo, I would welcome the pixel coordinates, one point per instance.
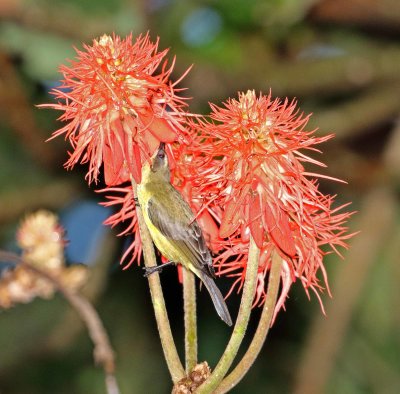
(262, 330)
(360, 67)
(338, 74)
(103, 352)
(34, 16)
(379, 14)
(375, 224)
(391, 157)
(16, 108)
(189, 300)
(359, 115)
(211, 384)
(67, 329)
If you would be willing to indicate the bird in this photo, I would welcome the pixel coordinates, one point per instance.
(174, 229)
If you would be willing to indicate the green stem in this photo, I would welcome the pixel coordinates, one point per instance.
(262, 330)
(164, 329)
(249, 288)
(189, 301)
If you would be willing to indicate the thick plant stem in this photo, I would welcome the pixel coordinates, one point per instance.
(164, 329)
(262, 330)
(189, 303)
(249, 288)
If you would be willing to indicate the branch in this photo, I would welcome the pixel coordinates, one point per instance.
(379, 208)
(18, 111)
(358, 115)
(103, 352)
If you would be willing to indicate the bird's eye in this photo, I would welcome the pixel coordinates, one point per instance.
(161, 155)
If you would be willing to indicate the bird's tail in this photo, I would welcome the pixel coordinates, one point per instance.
(217, 298)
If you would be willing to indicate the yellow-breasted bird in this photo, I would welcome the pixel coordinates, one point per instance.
(174, 229)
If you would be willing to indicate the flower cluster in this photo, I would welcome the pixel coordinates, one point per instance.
(242, 170)
(119, 103)
(247, 167)
(41, 239)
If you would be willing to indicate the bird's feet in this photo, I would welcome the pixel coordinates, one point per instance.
(157, 268)
(151, 270)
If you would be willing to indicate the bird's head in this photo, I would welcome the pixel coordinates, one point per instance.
(158, 167)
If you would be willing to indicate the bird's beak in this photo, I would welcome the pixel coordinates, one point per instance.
(162, 146)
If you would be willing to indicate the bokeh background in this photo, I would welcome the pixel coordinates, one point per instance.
(341, 60)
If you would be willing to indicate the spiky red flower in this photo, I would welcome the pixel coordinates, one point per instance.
(119, 103)
(248, 164)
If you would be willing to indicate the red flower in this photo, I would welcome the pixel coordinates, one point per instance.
(248, 165)
(119, 104)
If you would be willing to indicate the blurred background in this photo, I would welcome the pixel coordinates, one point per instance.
(341, 60)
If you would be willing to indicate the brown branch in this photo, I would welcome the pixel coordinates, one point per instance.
(327, 333)
(18, 111)
(358, 115)
(391, 157)
(67, 329)
(360, 68)
(103, 352)
(380, 14)
(62, 18)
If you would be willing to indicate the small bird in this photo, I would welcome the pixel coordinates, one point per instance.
(174, 229)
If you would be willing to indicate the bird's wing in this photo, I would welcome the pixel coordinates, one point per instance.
(177, 222)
